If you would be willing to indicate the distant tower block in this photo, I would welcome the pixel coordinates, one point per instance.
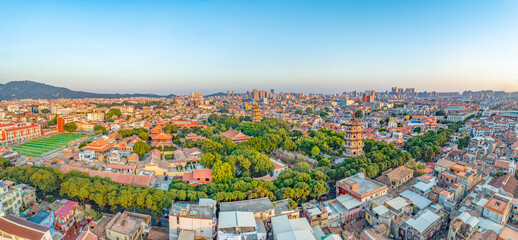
(353, 138)
(256, 113)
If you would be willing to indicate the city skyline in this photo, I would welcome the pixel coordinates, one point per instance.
(208, 46)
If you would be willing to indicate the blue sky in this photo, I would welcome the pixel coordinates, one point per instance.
(309, 46)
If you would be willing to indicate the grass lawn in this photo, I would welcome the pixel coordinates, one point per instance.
(40, 146)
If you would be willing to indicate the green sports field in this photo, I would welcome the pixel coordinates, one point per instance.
(38, 147)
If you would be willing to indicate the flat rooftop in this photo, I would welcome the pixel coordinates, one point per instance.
(192, 211)
(365, 185)
(252, 205)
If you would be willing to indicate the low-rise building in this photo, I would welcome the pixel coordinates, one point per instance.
(497, 209)
(342, 210)
(315, 213)
(66, 215)
(128, 225)
(262, 208)
(12, 227)
(240, 225)
(293, 229)
(361, 188)
(10, 198)
(424, 226)
(463, 227)
(198, 218)
(394, 178)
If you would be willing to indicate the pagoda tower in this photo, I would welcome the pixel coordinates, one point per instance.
(256, 113)
(353, 138)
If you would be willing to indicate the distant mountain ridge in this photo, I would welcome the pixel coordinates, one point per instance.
(35, 90)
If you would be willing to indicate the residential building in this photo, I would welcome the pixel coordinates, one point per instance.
(198, 177)
(342, 210)
(361, 188)
(12, 227)
(285, 207)
(463, 227)
(95, 116)
(394, 178)
(426, 225)
(28, 194)
(198, 218)
(128, 225)
(315, 213)
(497, 209)
(66, 215)
(262, 208)
(293, 229)
(44, 218)
(240, 225)
(10, 198)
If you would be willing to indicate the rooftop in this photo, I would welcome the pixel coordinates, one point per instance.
(422, 222)
(252, 205)
(236, 219)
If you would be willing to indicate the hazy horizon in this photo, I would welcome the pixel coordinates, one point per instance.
(303, 46)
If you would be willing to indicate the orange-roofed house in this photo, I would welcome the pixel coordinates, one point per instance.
(236, 136)
(100, 146)
(497, 209)
(199, 177)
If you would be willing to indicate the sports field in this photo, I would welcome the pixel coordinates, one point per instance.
(38, 147)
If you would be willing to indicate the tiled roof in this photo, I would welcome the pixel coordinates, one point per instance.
(138, 180)
(22, 228)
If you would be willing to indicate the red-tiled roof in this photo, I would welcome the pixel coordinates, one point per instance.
(22, 228)
(138, 180)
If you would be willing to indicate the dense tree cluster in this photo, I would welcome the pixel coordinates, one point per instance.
(428, 145)
(379, 156)
(100, 129)
(113, 112)
(70, 127)
(463, 142)
(135, 131)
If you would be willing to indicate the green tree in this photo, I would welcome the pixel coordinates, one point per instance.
(463, 142)
(44, 180)
(302, 167)
(440, 113)
(299, 112)
(315, 151)
(289, 145)
(208, 159)
(223, 172)
(100, 129)
(143, 136)
(309, 110)
(171, 128)
(324, 162)
(53, 121)
(416, 152)
(70, 127)
(358, 114)
(113, 112)
(417, 129)
(141, 148)
(4, 163)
